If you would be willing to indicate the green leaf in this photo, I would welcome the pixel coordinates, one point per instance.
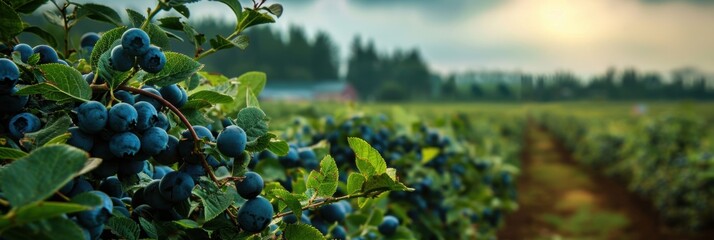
(251, 99)
(214, 200)
(183, 10)
(255, 81)
(158, 37)
(42, 34)
(302, 231)
(355, 182)
(292, 201)
(100, 13)
(240, 165)
(56, 127)
(87, 199)
(11, 153)
(54, 18)
(251, 17)
(214, 79)
(124, 227)
(62, 84)
(148, 228)
(369, 161)
(279, 147)
(57, 228)
(41, 173)
(235, 7)
(10, 22)
(382, 182)
(211, 97)
(136, 18)
(187, 223)
(178, 68)
(196, 116)
(220, 42)
(45, 210)
(276, 9)
(324, 181)
(173, 23)
(105, 43)
(25, 6)
(253, 121)
(194, 36)
(428, 154)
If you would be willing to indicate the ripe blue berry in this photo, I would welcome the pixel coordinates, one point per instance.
(92, 117)
(141, 98)
(251, 186)
(162, 122)
(120, 60)
(291, 160)
(333, 212)
(169, 155)
(124, 97)
(98, 215)
(122, 117)
(153, 61)
(161, 171)
(154, 140)
(9, 75)
(25, 51)
(173, 94)
(130, 167)
(112, 187)
(81, 185)
(389, 225)
(201, 131)
(176, 186)
(80, 139)
(124, 144)
(193, 170)
(47, 54)
(135, 41)
(23, 123)
(153, 196)
(339, 233)
(255, 215)
(232, 141)
(147, 115)
(89, 39)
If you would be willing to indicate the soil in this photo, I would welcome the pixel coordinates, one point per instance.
(559, 199)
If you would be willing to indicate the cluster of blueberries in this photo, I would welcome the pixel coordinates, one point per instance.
(136, 48)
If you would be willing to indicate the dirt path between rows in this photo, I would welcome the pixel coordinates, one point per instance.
(561, 200)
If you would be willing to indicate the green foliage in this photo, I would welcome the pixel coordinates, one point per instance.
(178, 68)
(324, 182)
(61, 84)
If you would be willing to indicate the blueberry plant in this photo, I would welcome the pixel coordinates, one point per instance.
(116, 136)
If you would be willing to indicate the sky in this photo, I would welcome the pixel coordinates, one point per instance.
(536, 36)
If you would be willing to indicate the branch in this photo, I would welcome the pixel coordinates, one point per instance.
(326, 201)
(152, 14)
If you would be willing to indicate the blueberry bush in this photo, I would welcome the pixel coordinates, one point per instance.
(117, 137)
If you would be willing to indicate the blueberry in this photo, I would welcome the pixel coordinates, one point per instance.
(162, 122)
(161, 171)
(333, 212)
(251, 186)
(124, 97)
(124, 144)
(232, 141)
(143, 211)
(176, 186)
(47, 54)
(308, 158)
(153, 196)
(339, 233)
(89, 77)
(201, 131)
(346, 206)
(89, 39)
(120, 59)
(25, 51)
(389, 225)
(320, 225)
(291, 219)
(291, 160)
(267, 154)
(108, 167)
(80, 186)
(169, 155)
(93, 233)
(255, 215)
(122, 117)
(23, 123)
(112, 187)
(9, 75)
(154, 102)
(92, 117)
(154, 140)
(147, 115)
(80, 139)
(137, 199)
(135, 41)
(173, 94)
(153, 61)
(193, 170)
(98, 215)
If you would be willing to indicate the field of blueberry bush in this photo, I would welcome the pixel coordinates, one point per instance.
(114, 136)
